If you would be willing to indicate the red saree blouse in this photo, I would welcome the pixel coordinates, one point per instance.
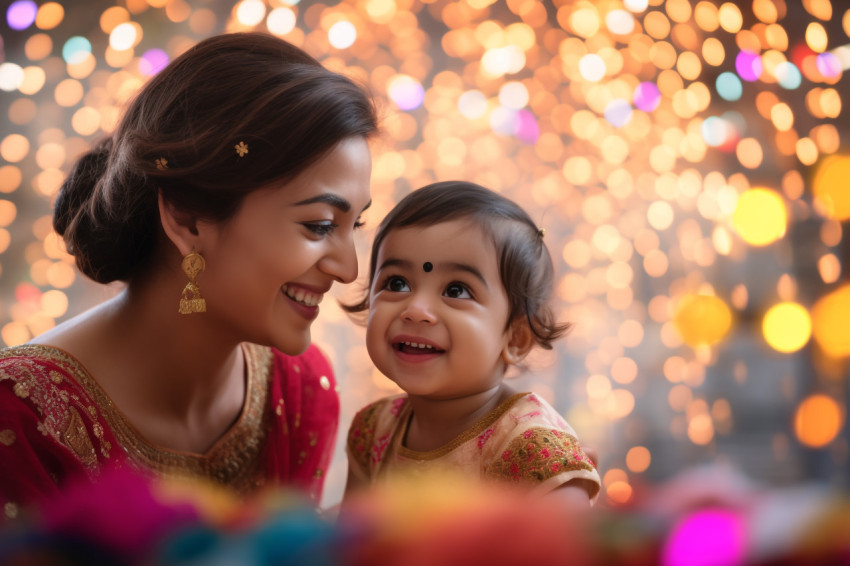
(57, 424)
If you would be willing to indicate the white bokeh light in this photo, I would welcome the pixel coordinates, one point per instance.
(592, 67)
(342, 34)
(250, 12)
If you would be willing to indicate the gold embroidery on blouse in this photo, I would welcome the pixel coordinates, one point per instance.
(56, 377)
(11, 510)
(21, 390)
(7, 437)
(76, 437)
(58, 422)
(325, 382)
(233, 460)
(470, 433)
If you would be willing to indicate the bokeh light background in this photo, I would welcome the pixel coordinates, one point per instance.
(688, 159)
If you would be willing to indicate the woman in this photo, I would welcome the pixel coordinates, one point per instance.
(237, 175)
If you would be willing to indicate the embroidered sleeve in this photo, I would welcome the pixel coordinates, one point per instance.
(361, 435)
(539, 454)
(43, 439)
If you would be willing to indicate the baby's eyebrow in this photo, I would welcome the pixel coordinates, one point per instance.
(472, 270)
(443, 266)
(395, 262)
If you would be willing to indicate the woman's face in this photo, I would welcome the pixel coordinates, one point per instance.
(269, 266)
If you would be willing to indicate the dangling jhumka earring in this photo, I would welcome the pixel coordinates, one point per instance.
(193, 264)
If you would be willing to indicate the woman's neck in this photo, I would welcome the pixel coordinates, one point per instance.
(436, 422)
(179, 379)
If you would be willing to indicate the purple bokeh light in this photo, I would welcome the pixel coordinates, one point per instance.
(647, 97)
(749, 66)
(525, 127)
(153, 61)
(828, 65)
(21, 14)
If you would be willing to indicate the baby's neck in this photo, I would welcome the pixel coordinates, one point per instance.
(436, 422)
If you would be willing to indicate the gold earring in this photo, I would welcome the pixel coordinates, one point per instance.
(193, 264)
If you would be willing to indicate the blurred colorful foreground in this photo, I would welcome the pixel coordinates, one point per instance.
(710, 516)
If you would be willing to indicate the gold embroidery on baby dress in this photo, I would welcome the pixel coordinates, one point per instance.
(361, 433)
(7, 437)
(539, 454)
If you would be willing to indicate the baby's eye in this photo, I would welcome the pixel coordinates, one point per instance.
(397, 285)
(457, 291)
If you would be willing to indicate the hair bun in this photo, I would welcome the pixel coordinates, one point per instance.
(77, 190)
(106, 241)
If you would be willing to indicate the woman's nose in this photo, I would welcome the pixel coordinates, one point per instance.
(341, 263)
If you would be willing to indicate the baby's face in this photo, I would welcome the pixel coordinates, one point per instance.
(438, 311)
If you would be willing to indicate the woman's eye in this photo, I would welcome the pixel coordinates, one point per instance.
(457, 291)
(396, 285)
(320, 228)
(359, 223)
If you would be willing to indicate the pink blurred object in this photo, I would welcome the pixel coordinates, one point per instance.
(120, 513)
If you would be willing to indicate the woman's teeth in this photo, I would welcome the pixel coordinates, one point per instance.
(302, 296)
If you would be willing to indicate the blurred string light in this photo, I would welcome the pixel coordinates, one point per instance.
(671, 149)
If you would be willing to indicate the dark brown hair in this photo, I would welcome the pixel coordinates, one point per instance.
(525, 267)
(236, 88)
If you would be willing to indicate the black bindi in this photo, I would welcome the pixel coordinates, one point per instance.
(427, 266)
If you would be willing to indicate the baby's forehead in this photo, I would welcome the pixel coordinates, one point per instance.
(452, 241)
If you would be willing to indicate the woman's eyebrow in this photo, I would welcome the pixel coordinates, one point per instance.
(328, 198)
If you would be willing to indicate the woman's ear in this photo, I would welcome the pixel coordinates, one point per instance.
(180, 227)
(519, 342)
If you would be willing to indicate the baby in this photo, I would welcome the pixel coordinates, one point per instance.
(460, 283)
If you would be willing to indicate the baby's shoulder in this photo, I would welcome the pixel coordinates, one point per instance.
(533, 410)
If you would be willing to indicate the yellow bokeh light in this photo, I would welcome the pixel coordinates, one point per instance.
(10, 178)
(638, 459)
(749, 152)
(38, 47)
(619, 492)
(829, 186)
(50, 15)
(816, 37)
(829, 322)
(14, 148)
(702, 319)
(787, 327)
(112, 17)
(818, 420)
(760, 217)
(730, 17)
(701, 429)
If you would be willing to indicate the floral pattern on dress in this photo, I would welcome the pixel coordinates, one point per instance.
(361, 433)
(539, 454)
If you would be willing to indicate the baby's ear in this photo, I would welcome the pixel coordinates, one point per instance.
(520, 340)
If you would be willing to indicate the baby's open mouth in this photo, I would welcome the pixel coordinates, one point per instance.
(414, 348)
